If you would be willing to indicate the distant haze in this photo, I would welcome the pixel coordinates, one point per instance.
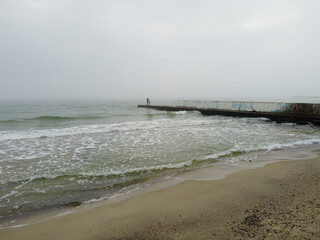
(67, 49)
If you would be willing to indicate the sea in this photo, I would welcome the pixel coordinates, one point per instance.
(57, 154)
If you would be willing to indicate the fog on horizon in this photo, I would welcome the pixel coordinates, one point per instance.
(68, 49)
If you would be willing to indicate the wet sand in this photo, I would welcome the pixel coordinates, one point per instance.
(278, 201)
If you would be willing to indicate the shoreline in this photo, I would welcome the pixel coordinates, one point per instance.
(195, 198)
(214, 171)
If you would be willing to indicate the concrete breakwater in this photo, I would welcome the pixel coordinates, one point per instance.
(300, 113)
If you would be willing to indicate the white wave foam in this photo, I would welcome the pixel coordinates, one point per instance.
(100, 128)
(180, 112)
(270, 147)
(138, 169)
(297, 143)
(8, 195)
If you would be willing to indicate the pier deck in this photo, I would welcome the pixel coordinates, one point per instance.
(300, 113)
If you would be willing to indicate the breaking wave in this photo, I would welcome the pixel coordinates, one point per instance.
(50, 119)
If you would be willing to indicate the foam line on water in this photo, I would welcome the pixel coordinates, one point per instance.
(91, 129)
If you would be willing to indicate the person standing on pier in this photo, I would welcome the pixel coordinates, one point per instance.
(148, 101)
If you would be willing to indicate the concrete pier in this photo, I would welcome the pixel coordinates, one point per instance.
(300, 113)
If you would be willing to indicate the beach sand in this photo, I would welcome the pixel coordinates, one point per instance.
(278, 201)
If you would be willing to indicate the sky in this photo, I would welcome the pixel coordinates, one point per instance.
(173, 49)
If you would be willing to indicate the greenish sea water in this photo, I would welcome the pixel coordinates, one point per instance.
(63, 153)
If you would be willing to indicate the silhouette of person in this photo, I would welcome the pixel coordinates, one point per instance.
(148, 101)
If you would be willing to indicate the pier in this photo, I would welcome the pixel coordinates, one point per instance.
(300, 113)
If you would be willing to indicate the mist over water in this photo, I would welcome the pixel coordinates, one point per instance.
(62, 153)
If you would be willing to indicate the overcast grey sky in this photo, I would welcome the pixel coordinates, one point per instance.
(161, 49)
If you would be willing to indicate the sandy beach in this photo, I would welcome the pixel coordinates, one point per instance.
(277, 201)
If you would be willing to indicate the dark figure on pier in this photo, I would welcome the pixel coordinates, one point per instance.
(148, 101)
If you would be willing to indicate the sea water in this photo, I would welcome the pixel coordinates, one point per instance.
(64, 153)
